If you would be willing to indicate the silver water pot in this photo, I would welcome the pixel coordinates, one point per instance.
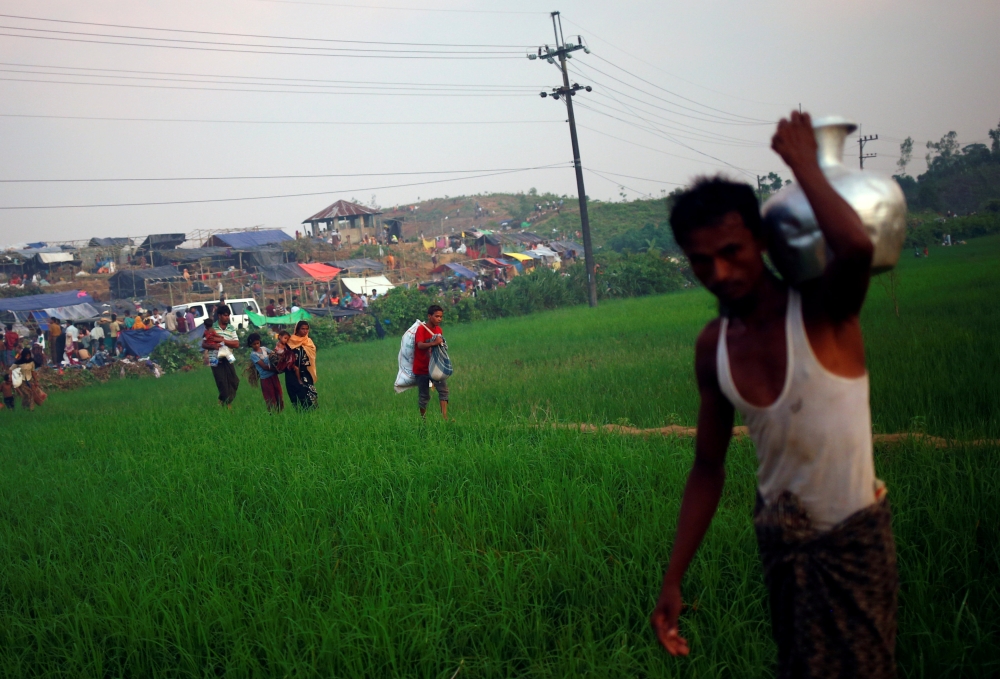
(795, 243)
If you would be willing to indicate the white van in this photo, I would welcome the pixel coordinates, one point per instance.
(202, 310)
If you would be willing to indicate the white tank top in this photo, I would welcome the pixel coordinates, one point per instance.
(815, 440)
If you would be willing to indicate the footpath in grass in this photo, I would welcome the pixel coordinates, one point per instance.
(146, 532)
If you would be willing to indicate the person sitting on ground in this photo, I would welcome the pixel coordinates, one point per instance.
(170, 321)
(792, 361)
(270, 385)
(428, 336)
(220, 340)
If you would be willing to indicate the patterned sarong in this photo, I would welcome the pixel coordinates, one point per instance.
(833, 594)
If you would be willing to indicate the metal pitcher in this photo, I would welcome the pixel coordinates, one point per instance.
(795, 243)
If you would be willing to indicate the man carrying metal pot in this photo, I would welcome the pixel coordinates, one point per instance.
(792, 361)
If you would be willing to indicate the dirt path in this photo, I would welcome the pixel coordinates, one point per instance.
(741, 432)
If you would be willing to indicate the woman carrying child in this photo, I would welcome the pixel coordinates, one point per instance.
(299, 366)
(270, 385)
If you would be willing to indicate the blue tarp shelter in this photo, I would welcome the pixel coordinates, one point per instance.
(462, 271)
(49, 301)
(247, 239)
(141, 342)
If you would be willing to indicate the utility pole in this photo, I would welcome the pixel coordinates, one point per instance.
(760, 188)
(562, 53)
(861, 148)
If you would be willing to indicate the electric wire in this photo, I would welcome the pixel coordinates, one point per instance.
(254, 35)
(617, 183)
(270, 197)
(717, 119)
(278, 122)
(243, 177)
(645, 179)
(233, 89)
(247, 77)
(257, 51)
(400, 9)
(658, 68)
(668, 138)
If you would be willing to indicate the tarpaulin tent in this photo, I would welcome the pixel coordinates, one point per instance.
(54, 257)
(518, 256)
(75, 312)
(287, 319)
(248, 239)
(458, 269)
(132, 282)
(141, 342)
(567, 246)
(109, 242)
(258, 257)
(162, 241)
(358, 265)
(365, 285)
(320, 272)
(187, 255)
(282, 272)
(49, 301)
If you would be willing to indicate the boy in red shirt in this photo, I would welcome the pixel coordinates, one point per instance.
(11, 340)
(429, 336)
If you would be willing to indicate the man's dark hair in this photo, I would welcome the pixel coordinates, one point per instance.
(433, 309)
(9, 327)
(708, 201)
(114, 317)
(254, 337)
(222, 309)
(270, 301)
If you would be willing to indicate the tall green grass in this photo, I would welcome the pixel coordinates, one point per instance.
(147, 533)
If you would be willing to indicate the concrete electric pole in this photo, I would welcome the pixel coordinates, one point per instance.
(562, 53)
(861, 148)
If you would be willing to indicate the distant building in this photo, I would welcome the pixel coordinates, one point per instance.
(352, 221)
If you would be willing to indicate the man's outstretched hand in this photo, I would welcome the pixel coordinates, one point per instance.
(795, 142)
(664, 621)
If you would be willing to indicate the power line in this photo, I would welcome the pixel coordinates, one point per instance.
(245, 51)
(616, 183)
(248, 44)
(668, 138)
(342, 88)
(279, 122)
(645, 179)
(398, 9)
(650, 148)
(247, 77)
(672, 75)
(719, 119)
(707, 137)
(255, 35)
(423, 93)
(288, 195)
(279, 176)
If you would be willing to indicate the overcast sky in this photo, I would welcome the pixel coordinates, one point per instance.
(713, 71)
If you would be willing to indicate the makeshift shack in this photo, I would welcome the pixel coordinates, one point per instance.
(133, 282)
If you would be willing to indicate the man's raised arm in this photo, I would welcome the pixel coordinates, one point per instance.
(845, 280)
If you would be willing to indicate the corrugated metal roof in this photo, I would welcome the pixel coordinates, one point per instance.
(341, 208)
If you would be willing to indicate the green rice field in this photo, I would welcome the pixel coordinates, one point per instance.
(145, 532)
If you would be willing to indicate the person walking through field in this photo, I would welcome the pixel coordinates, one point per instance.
(220, 340)
(792, 361)
(428, 336)
(270, 385)
(299, 366)
(11, 342)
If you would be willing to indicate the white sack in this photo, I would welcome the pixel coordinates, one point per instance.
(405, 378)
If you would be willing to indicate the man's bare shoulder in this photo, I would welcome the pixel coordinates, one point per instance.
(705, 348)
